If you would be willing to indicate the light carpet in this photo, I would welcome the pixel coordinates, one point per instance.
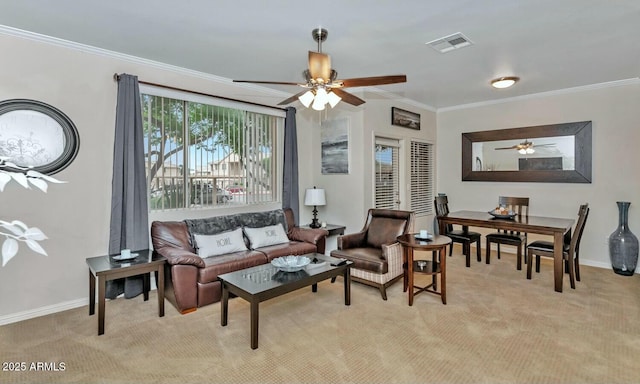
(498, 327)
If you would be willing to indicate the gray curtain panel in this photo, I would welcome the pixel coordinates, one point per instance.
(290, 196)
(129, 212)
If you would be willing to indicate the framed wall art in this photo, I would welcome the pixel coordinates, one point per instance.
(335, 146)
(36, 135)
(406, 119)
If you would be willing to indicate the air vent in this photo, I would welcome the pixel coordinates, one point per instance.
(449, 43)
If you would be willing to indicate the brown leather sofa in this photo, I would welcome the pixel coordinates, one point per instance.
(192, 282)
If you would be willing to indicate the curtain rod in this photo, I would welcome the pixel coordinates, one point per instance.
(116, 77)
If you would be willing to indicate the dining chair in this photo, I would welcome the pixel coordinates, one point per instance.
(463, 236)
(570, 250)
(519, 205)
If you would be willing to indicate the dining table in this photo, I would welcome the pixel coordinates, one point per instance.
(553, 226)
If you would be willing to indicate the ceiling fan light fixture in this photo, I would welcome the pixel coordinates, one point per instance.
(306, 98)
(333, 99)
(504, 82)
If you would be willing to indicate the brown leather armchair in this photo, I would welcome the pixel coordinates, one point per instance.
(374, 251)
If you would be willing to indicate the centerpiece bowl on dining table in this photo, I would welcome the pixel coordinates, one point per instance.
(509, 215)
(290, 263)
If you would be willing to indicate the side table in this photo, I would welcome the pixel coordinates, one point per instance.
(334, 230)
(106, 268)
(438, 245)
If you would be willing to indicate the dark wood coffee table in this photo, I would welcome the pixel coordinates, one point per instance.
(104, 268)
(264, 282)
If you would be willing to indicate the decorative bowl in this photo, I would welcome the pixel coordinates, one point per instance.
(290, 263)
(509, 215)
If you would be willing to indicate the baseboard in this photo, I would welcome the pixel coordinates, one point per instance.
(49, 309)
(42, 311)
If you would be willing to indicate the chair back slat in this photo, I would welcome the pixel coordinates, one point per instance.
(442, 208)
(583, 213)
(519, 205)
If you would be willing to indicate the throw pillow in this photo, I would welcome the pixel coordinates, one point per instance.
(219, 244)
(271, 235)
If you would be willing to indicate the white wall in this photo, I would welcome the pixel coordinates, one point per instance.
(616, 159)
(349, 196)
(75, 216)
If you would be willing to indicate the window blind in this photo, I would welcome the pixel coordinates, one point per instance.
(387, 181)
(422, 177)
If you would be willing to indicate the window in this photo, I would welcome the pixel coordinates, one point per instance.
(387, 183)
(421, 177)
(199, 149)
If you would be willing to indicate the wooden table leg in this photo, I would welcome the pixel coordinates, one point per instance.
(443, 274)
(557, 260)
(314, 288)
(254, 323)
(347, 286)
(434, 277)
(102, 287)
(405, 274)
(160, 289)
(92, 293)
(410, 273)
(146, 285)
(224, 303)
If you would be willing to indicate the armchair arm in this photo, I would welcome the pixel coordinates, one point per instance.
(180, 256)
(352, 240)
(392, 251)
(307, 235)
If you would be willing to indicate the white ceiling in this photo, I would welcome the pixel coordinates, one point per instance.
(549, 44)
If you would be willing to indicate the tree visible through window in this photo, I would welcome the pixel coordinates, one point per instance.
(205, 155)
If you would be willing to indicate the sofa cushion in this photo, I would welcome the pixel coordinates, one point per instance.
(225, 242)
(384, 230)
(229, 262)
(217, 224)
(265, 236)
(297, 248)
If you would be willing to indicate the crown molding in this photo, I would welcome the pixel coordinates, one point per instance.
(133, 59)
(583, 88)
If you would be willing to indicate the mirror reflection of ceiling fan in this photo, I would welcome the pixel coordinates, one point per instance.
(526, 147)
(321, 86)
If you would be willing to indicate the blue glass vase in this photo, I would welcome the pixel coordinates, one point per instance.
(623, 245)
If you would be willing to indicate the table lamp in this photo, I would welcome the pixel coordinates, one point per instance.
(314, 197)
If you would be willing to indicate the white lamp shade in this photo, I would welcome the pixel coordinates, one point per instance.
(317, 105)
(333, 99)
(314, 196)
(306, 98)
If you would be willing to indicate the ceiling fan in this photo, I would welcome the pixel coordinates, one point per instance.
(526, 147)
(321, 85)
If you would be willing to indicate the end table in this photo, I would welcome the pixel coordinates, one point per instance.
(106, 268)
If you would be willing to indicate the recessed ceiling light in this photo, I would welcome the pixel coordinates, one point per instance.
(504, 82)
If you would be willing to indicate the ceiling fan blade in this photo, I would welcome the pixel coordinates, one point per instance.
(544, 145)
(292, 98)
(377, 80)
(319, 66)
(511, 147)
(347, 97)
(266, 82)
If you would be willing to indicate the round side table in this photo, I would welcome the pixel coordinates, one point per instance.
(437, 244)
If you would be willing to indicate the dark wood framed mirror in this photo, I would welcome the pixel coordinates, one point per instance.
(557, 153)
